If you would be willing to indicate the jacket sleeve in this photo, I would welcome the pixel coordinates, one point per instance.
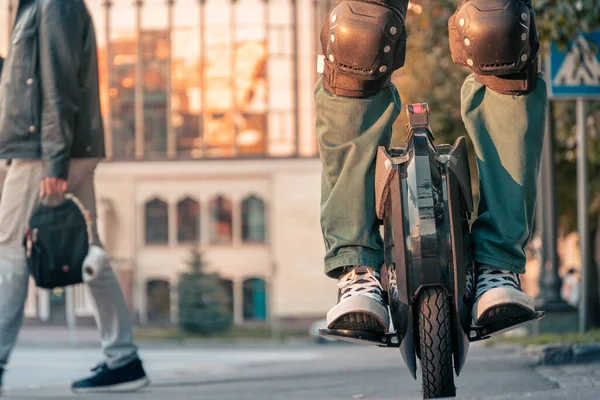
(60, 40)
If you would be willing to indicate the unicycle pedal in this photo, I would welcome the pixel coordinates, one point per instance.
(362, 337)
(478, 333)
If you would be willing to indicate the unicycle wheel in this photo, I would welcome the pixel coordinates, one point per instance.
(435, 337)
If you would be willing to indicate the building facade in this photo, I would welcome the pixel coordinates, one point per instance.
(209, 127)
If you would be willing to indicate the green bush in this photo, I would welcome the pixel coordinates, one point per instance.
(204, 307)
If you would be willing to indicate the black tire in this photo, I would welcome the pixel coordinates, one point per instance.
(435, 337)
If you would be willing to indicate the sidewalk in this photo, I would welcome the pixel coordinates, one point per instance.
(328, 372)
(58, 336)
(47, 369)
(571, 377)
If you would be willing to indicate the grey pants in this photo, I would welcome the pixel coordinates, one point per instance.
(20, 195)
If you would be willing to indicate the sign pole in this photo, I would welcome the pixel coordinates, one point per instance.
(549, 280)
(582, 213)
(574, 74)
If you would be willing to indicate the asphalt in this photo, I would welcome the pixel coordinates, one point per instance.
(299, 371)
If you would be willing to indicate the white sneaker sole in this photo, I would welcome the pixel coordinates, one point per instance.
(502, 296)
(359, 305)
(119, 388)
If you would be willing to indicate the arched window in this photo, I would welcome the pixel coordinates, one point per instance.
(157, 222)
(255, 299)
(227, 286)
(253, 220)
(188, 220)
(158, 296)
(221, 226)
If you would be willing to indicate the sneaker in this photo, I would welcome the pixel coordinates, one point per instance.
(128, 378)
(360, 302)
(499, 297)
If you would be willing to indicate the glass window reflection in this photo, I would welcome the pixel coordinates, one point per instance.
(156, 222)
(217, 66)
(253, 220)
(123, 38)
(251, 76)
(230, 73)
(221, 224)
(186, 96)
(188, 220)
(155, 56)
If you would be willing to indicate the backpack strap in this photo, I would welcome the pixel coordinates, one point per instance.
(86, 216)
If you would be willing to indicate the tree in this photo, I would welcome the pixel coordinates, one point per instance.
(203, 304)
(560, 20)
(429, 75)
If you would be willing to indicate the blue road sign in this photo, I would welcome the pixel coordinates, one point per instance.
(575, 71)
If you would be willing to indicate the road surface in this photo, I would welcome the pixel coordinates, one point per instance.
(296, 372)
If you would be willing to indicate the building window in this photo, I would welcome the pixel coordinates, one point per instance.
(188, 220)
(186, 78)
(255, 299)
(235, 77)
(217, 79)
(227, 286)
(221, 225)
(253, 220)
(158, 295)
(121, 85)
(157, 222)
(156, 48)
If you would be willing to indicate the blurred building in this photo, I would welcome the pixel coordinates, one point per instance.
(210, 140)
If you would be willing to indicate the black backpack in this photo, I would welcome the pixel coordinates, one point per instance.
(57, 242)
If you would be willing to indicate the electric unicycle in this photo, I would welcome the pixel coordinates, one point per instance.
(424, 198)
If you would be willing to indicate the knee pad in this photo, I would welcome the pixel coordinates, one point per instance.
(363, 42)
(498, 41)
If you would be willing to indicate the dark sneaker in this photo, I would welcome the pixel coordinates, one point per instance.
(499, 297)
(360, 306)
(128, 378)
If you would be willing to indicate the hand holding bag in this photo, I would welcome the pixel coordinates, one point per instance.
(57, 242)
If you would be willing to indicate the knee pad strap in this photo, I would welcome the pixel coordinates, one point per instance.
(516, 84)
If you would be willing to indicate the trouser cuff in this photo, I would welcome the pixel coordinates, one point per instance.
(499, 264)
(371, 259)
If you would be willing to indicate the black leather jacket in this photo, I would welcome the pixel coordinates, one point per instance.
(49, 96)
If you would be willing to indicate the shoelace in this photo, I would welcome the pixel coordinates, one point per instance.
(491, 278)
(100, 367)
(363, 281)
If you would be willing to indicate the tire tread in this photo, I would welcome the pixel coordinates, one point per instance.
(435, 333)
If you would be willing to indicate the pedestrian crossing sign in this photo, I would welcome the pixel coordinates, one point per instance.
(575, 70)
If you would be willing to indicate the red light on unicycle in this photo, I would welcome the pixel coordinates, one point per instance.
(417, 109)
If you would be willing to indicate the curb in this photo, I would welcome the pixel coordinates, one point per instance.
(566, 354)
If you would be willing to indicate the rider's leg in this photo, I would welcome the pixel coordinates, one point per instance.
(355, 109)
(504, 110)
(349, 132)
(507, 133)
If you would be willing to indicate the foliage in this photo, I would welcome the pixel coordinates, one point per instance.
(203, 304)
(429, 75)
(560, 20)
(565, 150)
(592, 336)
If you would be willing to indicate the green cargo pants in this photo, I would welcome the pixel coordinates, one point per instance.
(507, 134)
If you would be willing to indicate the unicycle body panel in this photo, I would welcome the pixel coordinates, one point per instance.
(420, 238)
